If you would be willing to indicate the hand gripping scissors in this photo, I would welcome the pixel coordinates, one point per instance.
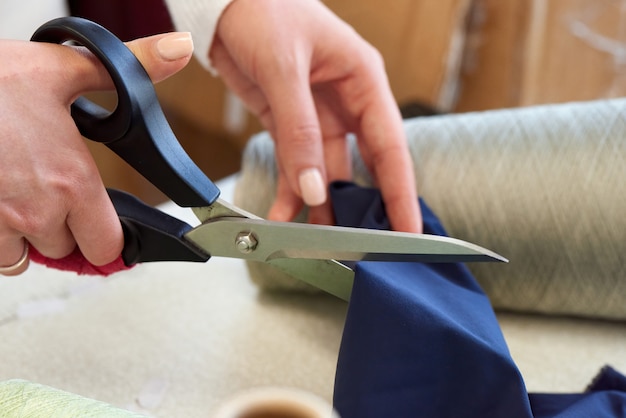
(137, 131)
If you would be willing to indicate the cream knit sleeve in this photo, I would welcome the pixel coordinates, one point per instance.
(200, 18)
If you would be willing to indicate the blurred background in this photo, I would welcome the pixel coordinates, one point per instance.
(450, 55)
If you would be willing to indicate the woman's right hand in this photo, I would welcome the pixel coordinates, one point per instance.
(51, 194)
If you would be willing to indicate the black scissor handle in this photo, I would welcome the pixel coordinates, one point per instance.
(152, 235)
(136, 130)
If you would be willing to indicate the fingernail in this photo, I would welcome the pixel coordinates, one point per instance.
(312, 187)
(175, 46)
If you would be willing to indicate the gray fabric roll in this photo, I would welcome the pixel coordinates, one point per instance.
(544, 186)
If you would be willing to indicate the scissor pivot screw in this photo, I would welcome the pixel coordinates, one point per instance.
(246, 242)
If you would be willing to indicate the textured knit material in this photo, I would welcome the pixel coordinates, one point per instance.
(421, 340)
(22, 399)
(77, 263)
(545, 187)
(199, 17)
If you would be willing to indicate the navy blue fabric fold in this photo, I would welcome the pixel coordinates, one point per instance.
(421, 340)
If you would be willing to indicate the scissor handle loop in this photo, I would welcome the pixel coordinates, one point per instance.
(136, 129)
(93, 121)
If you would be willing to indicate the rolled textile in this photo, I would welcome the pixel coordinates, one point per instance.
(544, 186)
(23, 399)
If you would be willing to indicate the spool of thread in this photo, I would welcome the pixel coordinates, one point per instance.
(275, 403)
(544, 186)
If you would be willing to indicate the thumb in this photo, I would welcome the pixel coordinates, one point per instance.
(161, 55)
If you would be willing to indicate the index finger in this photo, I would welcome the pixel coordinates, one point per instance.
(97, 228)
(383, 137)
(296, 128)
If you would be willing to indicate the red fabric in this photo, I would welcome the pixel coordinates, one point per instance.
(77, 263)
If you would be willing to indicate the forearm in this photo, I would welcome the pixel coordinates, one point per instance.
(199, 17)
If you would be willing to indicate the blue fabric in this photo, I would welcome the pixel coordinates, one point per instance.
(421, 340)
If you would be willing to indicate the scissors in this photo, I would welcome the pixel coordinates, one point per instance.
(138, 132)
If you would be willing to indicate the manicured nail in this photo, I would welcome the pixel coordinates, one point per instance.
(312, 187)
(175, 46)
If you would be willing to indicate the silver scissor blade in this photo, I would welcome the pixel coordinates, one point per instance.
(328, 275)
(221, 208)
(260, 240)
